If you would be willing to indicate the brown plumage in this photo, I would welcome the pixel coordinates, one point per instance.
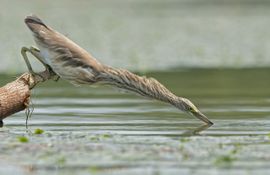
(72, 63)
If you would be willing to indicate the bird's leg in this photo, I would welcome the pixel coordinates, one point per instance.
(23, 52)
(36, 53)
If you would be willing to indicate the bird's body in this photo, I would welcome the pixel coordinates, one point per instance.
(74, 64)
(66, 58)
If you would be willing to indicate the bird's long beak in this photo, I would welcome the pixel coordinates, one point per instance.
(202, 117)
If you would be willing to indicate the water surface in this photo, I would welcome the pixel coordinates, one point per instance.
(102, 131)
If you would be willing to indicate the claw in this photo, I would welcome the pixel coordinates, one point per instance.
(57, 77)
(36, 74)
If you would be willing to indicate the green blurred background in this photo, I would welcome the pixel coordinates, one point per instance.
(146, 35)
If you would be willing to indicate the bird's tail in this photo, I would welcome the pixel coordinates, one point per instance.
(35, 24)
(147, 87)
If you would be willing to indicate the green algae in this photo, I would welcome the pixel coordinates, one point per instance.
(22, 139)
(38, 131)
(224, 160)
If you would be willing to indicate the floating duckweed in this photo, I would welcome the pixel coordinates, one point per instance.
(225, 160)
(61, 160)
(23, 139)
(94, 138)
(39, 131)
(184, 139)
(106, 136)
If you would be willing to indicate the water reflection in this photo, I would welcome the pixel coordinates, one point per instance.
(197, 131)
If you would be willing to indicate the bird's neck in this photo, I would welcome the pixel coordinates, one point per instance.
(147, 87)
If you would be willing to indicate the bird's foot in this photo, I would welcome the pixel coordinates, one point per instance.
(49, 70)
(56, 78)
(37, 74)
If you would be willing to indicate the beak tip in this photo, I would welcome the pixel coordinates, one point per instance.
(203, 118)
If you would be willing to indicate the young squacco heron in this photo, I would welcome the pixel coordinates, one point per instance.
(72, 63)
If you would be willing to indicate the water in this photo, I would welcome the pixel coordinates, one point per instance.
(101, 131)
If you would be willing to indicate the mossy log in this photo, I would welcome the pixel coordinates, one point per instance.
(15, 96)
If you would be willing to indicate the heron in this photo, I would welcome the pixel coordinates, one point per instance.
(72, 63)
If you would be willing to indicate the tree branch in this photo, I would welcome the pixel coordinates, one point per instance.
(15, 96)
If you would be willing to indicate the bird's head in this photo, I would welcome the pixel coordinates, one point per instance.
(187, 106)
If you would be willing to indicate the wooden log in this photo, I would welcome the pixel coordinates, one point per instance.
(15, 96)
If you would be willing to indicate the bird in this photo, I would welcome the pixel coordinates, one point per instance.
(74, 64)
